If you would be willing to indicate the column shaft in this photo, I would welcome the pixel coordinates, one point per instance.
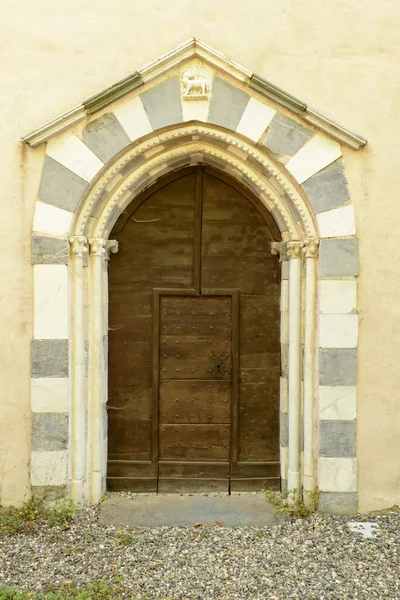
(77, 462)
(309, 371)
(295, 267)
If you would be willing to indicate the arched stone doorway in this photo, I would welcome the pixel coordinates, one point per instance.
(118, 144)
(194, 339)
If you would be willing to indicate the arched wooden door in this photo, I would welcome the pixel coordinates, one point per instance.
(194, 350)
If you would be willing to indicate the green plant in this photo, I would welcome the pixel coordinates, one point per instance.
(291, 506)
(98, 589)
(34, 513)
(61, 513)
(125, 540)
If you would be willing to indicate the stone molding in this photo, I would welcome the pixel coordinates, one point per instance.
(193, 48)
(210, 134)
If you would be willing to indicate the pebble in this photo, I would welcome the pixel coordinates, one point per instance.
(318, 558)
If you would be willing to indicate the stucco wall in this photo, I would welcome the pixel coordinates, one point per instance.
(330, 55)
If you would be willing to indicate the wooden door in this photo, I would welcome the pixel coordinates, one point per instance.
(194, 352)
(195, 393)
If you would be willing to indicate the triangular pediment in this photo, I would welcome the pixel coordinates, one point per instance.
(205, 60)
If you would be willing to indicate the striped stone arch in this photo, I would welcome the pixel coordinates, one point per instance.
(120, 145)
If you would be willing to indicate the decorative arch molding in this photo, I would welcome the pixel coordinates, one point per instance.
(194, 143)
(92, 173)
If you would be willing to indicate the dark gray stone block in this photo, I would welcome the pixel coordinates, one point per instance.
(328, 188)
(286, 136)
(162, 103)
(49, 358)
(338, 257)
(284, 429)
(279, 220)
(49, 431)
(337, 439)
(338, 366)
(184, 510)
(49, 251)
(59, 186)
(227, 104)
(292, 208)
(338, 503)
(105, 137)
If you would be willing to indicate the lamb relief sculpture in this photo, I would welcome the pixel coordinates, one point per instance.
(196, 85)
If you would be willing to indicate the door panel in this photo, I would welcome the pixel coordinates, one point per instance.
(194, 401)
(195, 385)
(195, 442)
(236, 253)
(194, 350)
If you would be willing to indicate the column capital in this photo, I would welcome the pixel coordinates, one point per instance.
(97, 246)
(295, 249)
(281, 249)
(311, 248)
(111, 248)
(79, 245)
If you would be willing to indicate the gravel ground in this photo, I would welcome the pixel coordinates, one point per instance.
(314, 559)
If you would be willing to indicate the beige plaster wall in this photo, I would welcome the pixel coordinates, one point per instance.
(339, 57)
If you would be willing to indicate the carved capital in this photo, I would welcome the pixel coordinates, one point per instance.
(111, 248)
(311, 248)
(97, 246)
(79, 245)
(281, 249)
(295, 249)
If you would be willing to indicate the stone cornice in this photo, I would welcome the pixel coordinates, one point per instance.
(113, 93)
(57, 125)
(269, 90)
(193, 48)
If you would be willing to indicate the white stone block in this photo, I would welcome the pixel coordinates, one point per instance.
(49, 468)
(284, 295)
(255, 119)
(284, 394)
(337, 403)
(71, 152)
(284, 333)
(196, 110)
(336, 296)
(50, 302)
(49, 395)
(338, 474)
(314, 156)
(338, 331)
(337, 222)
(133, 118)
(51, 220)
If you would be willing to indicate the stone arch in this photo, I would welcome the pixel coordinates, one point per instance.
(91, 174)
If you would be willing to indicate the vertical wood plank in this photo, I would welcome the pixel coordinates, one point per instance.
(198, 230)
